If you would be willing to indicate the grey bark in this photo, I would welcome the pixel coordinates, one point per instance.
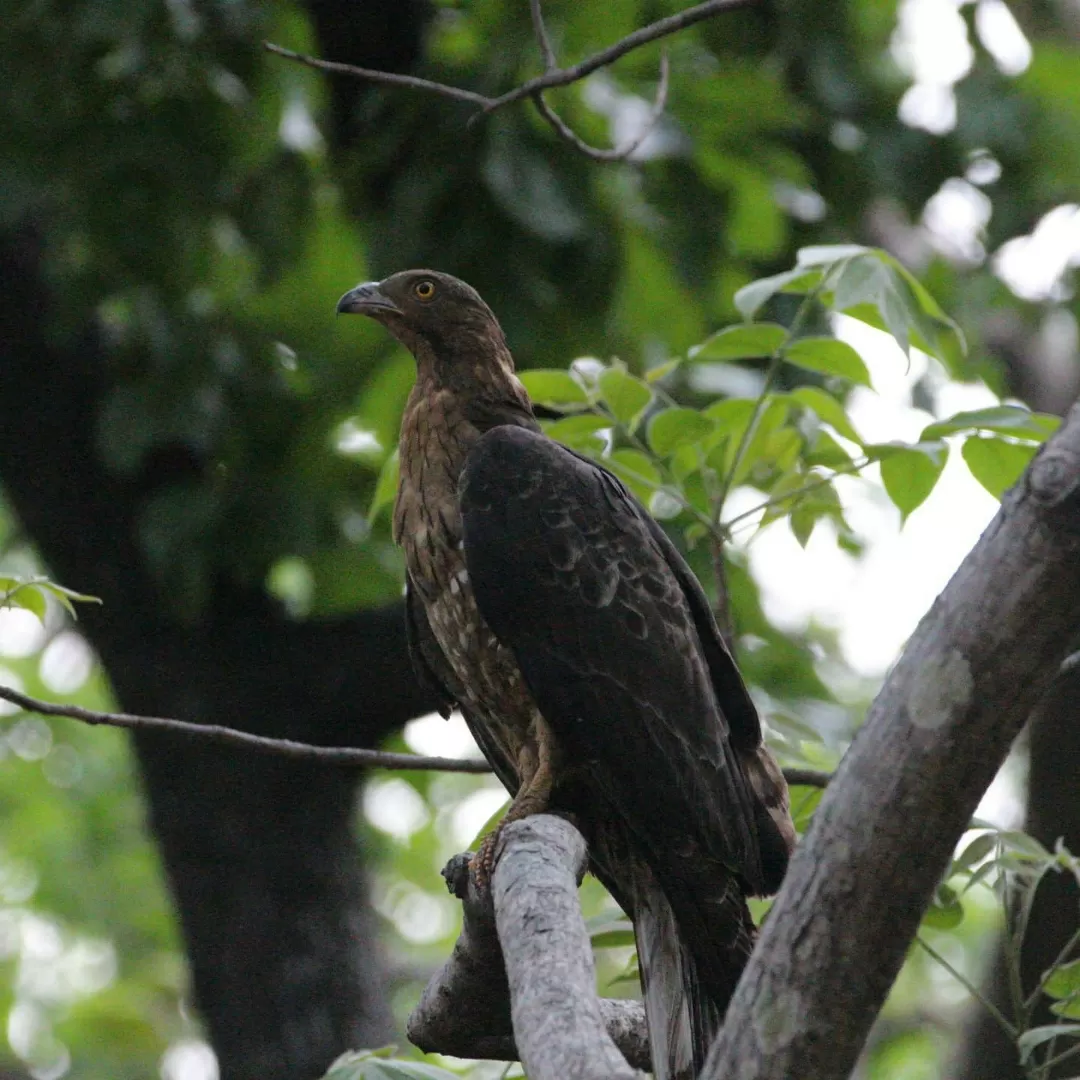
(887, 825)
(520, 983)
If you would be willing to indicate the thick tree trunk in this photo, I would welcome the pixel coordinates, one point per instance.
(977, 664)
(260, 852)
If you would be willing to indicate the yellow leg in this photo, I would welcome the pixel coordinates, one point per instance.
(536, 770)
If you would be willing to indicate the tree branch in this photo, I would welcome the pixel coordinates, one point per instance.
(618, 153)
(383, 78)
(553, 75)
(888, 823)
(215, 733)
(653, 32)
(290, 748)
(544, 992)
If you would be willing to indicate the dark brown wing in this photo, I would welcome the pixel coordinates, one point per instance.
(568, 571)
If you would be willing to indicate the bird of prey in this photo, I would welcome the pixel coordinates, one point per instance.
(546, 602)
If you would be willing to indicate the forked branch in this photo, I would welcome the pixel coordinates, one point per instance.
(520, 983)
(553, 76)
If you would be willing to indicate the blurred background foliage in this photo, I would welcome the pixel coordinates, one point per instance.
(179, 212)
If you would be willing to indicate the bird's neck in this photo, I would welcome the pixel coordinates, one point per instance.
(450, 407)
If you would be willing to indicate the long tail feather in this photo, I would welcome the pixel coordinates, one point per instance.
(690, 963)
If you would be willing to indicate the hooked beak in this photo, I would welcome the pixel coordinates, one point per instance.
(367, 299)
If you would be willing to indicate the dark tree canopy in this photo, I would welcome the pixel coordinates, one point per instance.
(188, 433)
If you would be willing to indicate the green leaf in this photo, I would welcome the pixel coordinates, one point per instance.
(828, 409)
(1064, 980)
(824, 450)
(671, 428)
(829, 254)
(661, 371)
(62, 591)
(609, 930)
(1068, 1008)
(629, 974)
(811, 508)
(1033, 1038)
(579, 432)
(731, 415)
(379, 1065)
(626, 396)
(554, 388)
(1004, 419)
(945, 911)
(741, 342)
(636, 470)
(385, 487)
(827, 356)
(750, 298)
(995, 463)
(760, 443)
(29, 597)
(909, 473)
(873, 287)
(982, 847)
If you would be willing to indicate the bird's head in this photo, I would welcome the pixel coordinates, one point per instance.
(438, 318)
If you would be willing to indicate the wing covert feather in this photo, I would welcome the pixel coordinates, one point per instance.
(569, 574)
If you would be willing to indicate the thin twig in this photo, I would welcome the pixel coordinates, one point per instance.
(807, 777)
(653, 32)
(1033, 998)
(1063, 1056)
(334, 755)
(795, 493)
(776, 361)
(618, 153)
(971, 988)
(553, 75)
(386, 78)
(543, 42)
(339, 755)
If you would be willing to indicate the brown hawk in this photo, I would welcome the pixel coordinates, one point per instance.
(546, 602)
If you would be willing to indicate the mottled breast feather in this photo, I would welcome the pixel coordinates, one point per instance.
(568, 572)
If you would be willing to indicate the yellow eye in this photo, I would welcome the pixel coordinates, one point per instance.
(424, 290)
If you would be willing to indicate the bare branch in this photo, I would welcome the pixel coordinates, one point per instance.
(339, 755)
(619, 153)
(889, 820)
(553, 75)
(332, 755)
(807, 778)
(653, 32)
(384, 78)
(543, 42)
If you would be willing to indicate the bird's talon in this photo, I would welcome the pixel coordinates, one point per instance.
(482, 864)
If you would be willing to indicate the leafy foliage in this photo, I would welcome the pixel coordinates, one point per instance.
(383, 1065)
(690, 459)
(199, 204)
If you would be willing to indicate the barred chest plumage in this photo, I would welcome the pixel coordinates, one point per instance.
(435, 440)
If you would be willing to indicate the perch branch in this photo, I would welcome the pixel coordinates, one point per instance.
(553, 76)
(523, 963)
(889, 820)
(332, 755)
